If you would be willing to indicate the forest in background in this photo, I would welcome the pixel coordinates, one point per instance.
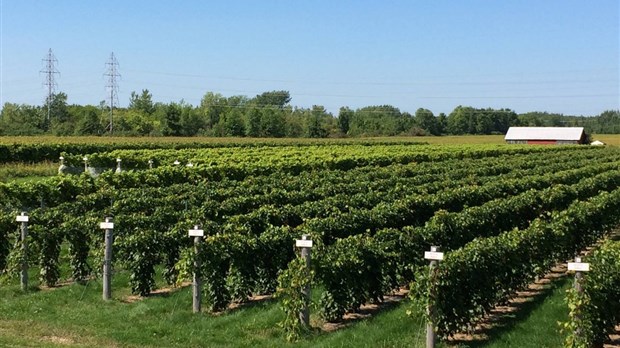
(270, 114)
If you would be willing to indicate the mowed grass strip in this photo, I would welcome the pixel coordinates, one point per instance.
(75, 315)
(534, 325)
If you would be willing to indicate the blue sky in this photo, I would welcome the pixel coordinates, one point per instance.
(553, 55)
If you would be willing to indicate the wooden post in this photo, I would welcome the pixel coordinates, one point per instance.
(23, 218)
(306, 245)
(579, 267)
(435, 256)
(118, 165)
(578, 277)
(196, 284)
(108, 226)
(85, 159)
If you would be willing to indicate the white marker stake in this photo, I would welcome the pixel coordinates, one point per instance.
(306, 245)
(196, 295)
(23, 218)
(435, 256)
(578, 267)
(108, 226)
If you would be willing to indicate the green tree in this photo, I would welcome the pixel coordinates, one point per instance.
(21, 119)
(295, 123)
(192, 121)
(425, 119)
(172, 119)
(212, 107)
(89, 122)
(316, 122)
(142, 102)
(442, 123)
(60, 122)
(376, 121)
(253, 128)
(344, 117)
(484, 121)
(234, 125)
(461, 121)
(272, 123)
(274, 98)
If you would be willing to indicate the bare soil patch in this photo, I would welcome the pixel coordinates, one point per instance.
(58, 340)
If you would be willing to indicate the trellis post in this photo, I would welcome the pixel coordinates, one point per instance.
(434, 256)
(579, 267)
(23, 218)
(108, 226)
(305, 243)
(197, 233)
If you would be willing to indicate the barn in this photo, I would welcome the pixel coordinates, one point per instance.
(545, 135)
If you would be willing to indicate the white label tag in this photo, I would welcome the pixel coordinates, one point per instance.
(22, 218)
(106, 225)
(579, 266)
(433, 255)
(303, 243)
(196, 233)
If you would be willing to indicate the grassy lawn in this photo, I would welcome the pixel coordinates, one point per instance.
(76, 315)
(535, 325)
(20, 172)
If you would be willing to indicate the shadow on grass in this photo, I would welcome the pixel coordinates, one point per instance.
(366, 311)
(505, 318)
(252, 302)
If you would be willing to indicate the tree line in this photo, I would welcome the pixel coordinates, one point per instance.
(270, 114)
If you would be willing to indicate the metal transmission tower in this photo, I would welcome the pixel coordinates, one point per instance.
(49, 71)
(112, 86)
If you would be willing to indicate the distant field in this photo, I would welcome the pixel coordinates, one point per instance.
(610, 139)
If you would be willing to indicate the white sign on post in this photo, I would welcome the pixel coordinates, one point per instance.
(106, 225)
(433, 255)
(22, 218)
(196, 233)
(579, 266)
(303, 243)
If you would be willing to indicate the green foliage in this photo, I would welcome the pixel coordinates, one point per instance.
(344, 119)
(425, 119)
(377, 121)
(354, 271)
(272, 99)
(291, 283)
(594, 312)
(22, 119)
(79, 248)
(468, 120)
(142, 102)
(486, 271)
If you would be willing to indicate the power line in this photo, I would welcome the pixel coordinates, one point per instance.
(112, 86)
(49, 72)
(385, 83)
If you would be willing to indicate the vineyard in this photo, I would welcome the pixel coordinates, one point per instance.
(503, 216)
